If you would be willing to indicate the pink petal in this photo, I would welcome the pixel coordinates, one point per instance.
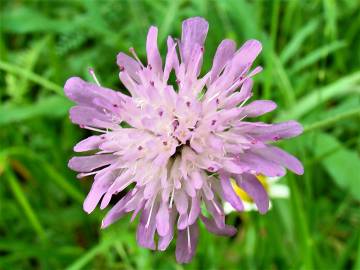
(223, 54)
(163, 220)
(152, 51)
(245, 56)
(101, 184)
(255, 189)
(89, 163)
(229, 193)
(146, 229)
(88, 144)
(212, 227)
(128, 64)
(116, 212)
(283, 158)
(258, 107)
(185, 249)
(194, 31)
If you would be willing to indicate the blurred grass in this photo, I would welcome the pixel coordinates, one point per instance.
(311, 58)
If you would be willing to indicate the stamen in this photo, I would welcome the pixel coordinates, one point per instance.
(172, 197)
(188, 238)
(92, 73)
(214, 96)
(242, 103)
(80, 175)
(132, 50)
(216, 207)
(95, 129)
(148, 221)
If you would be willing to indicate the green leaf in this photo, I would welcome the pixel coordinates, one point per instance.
(342, 165)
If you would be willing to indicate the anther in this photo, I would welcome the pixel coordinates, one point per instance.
(140, 148)
(121, 68)
(188, 103)
(152, 83)
(132, 50)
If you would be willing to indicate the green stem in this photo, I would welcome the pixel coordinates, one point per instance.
(8, 67)
(328, 122)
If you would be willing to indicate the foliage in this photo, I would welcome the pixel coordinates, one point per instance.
(311, 69)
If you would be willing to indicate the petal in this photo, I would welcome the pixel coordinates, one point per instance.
(171, 61)
(100, 185)
(212, 227)
(84, 93)
(229, 193)
(194, 210)
(274, 132)
(87, 116)
(163, 220)
(196, 179)
(182, 221)
(258, 107)
(245, 56)
(146, 228)
(194, 31)
(259, 164)
(152, 51)
(164, 241)
(216, 210)
(128, 64)
(281, 157)
(89, 163)
(88, 144)
(186, 243)
(252, 186)
(223, 54)
(234, 99)
(116, 212)
(181, 201)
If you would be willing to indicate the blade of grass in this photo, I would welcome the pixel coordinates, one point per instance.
(283, 82)
(25, 205)
(294, 45)
(88, 256)
(343, 86)
(51, 171)
(332, 120)
(316, 55)
(8, 67)
(170, 16)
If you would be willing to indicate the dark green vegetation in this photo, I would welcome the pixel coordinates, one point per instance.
(311, 69)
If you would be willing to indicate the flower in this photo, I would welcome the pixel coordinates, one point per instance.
(173, 148)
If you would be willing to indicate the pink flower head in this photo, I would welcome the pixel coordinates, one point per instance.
(173, 148)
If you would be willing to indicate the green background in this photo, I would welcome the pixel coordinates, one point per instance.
(311, 69)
